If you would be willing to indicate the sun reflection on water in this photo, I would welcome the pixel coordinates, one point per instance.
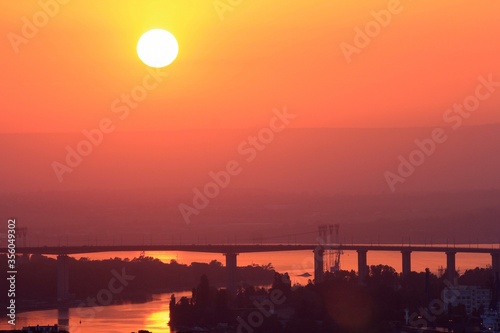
(157, 320)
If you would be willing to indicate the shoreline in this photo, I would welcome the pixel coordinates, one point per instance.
(39, 305)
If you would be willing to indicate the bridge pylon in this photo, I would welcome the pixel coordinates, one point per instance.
(62, 278)
(318, 264)
(495, 263)
(406, 268)
(231, 267)
(451, 271)
(362, 266)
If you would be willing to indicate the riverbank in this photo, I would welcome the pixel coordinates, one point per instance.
(28, 305)
(116, 281)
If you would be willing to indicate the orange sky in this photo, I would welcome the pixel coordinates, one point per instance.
(232, 72)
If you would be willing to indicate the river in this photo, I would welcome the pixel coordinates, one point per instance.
(124, 318)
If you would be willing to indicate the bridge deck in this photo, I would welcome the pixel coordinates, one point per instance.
(246, 248)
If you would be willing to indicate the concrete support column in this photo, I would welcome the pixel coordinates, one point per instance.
(231, 272)
(450, 266)
(62, 278)
(362, 266)
(63, 317)
(406, 262)
(319, 269)
(495, 267)
(495, 263)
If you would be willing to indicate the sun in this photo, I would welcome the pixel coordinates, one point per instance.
(157, 48)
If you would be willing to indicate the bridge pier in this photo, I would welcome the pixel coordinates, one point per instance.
(62, 278)
(406, 262)
(450, 266)
(231, 272)
(63, 317)
(319, 269)
(362, 266)
(495, 263)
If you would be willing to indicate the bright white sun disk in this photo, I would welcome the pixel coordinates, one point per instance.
(157, 48)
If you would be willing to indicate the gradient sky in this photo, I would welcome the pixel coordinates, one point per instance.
(230, 73)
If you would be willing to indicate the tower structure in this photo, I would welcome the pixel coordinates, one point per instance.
(329, 239)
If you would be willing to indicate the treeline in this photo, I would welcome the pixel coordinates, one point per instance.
(37, 277)
(339, 304)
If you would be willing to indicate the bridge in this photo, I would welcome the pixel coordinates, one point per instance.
(231, 252)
